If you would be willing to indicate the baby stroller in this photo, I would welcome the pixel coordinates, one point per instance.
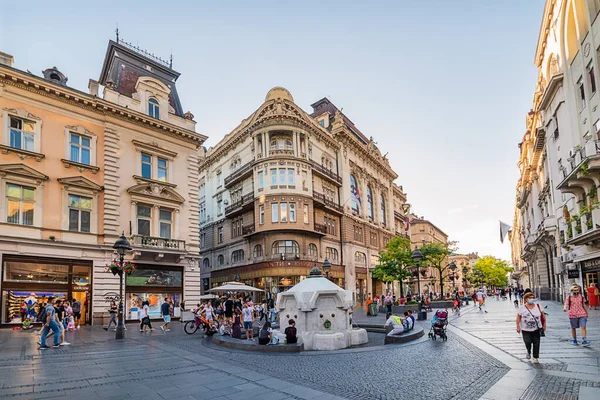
(438, 325)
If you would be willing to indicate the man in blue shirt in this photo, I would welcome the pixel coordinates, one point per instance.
(50, 323)
(165, 310)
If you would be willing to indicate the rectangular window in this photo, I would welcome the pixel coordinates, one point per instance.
(220, 234)
(80, 212)
(202, 212)
(291, 178)
(203, 240)
(166, 217)
(144, 220)
(146, 166)
(283, 209)
(282, 176)
(292, 212)
(274, 212)
(162, 169)
(20, 200)
(219, 181)
(581, 92)
(80, 149)
(273, 177)
(261, 180)
(21, 134)
(306, 213)
(219, 207)
(261, 214)
(592, 79)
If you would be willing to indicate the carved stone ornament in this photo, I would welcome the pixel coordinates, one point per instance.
(586, 49)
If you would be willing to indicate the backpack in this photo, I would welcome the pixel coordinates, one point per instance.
(43, 315)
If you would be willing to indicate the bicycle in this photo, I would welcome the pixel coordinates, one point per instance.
(191, 327)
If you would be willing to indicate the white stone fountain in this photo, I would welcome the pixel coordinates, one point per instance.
(322, 311)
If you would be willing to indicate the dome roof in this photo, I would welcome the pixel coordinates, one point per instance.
(315, 284)
(279, 92)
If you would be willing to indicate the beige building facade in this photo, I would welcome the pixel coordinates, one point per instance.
(423, 231)
(287, 190)
(79, 169)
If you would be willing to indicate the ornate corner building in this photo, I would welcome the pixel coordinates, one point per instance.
(286, 190)
(556, 228)
(78, 169)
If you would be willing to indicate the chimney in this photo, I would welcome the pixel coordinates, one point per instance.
(93, 87)
(6, 59)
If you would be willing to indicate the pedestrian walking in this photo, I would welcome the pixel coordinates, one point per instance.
(113, 315)
(575, 304)
(388, 300)
(248, 313)
(77, 312)
(165, 310)
(593, 295)
(521, 293)
(145, 317)
(530, 319)
(480, 298)
(49, 324)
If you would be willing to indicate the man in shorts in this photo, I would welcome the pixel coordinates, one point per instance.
(575, 304)
(165, 310)
(248, 314)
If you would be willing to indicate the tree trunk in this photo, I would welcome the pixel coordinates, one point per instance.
(441, 282)
(401, 289)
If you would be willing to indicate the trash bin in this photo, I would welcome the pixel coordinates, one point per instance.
(373, 309)
(422, 315)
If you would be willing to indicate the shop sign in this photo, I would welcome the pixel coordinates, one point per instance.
(590, 264)
(111, 296)
(573, 274)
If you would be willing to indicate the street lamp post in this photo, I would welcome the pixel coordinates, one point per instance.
(121, 246)
(417, 257)
(452, 267)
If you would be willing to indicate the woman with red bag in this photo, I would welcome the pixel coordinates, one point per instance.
(531, 323)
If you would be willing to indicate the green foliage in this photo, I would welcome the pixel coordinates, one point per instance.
(435, 255)
(393, 262)
(492, 271)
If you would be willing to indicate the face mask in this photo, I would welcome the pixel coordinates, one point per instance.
(531, 301)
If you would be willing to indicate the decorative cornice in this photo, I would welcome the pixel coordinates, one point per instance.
(80, 182)
(154, 148)
(22, 154)
(80, 167)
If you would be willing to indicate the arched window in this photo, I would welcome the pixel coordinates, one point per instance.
(205, 263)
(237, 256)
(289, 145)
(257, 252)
(286, 247)
(312, 250)
(360, 257)
(370, 210)
(220, 260)
(354, 195)
(273, 144)
(153, 108)
(331, 254)
(383, 218)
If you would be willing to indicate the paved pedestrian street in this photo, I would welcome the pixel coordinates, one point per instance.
(483, 358)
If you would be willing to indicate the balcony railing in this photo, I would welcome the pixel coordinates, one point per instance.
(247, 168)
(246, 199)
(320, 228)
(248, 230)
(158, 243)
(327, 172)
(286, 152)
(320, 198)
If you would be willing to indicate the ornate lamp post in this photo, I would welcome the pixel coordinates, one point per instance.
(121, 246)
(465, 270)
(327, 268)
(417, 257)
(452, 267)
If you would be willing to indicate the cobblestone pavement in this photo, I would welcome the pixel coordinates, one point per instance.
(563, 368)
(174, 365)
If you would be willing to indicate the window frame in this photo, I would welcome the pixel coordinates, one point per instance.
(220, 234)
(80, 148)
(159, 168)
(143, 218)
(331, 254)
(153, 108)
(257, 251)
(261, 214)
(313, 251)
(220, 260)
(275, 213)
(292, 212)
(150, 164)
(21, 200)
(305, 210)
(292, 245)
(162, 221)
(80, 212)
(23, 115)
(237, 256)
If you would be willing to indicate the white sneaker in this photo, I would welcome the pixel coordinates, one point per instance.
(65, 344)
(168, 330)
(162, 327)
(536, 361)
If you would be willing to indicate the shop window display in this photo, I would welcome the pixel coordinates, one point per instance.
(21, 305)
(155, 299)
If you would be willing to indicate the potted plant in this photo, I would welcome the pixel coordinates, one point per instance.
(570, 231)
(128, 268)
(585, 169)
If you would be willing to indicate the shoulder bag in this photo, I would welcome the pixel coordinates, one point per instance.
(540, 328)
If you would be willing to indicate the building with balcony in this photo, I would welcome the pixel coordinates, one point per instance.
(422, 232)
(556, 213)
(286, 190)
(78, 169)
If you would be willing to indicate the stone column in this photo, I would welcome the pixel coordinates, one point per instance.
(134, 218)
(176, 225)
(155, 221)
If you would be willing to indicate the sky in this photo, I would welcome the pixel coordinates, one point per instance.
(443, 86)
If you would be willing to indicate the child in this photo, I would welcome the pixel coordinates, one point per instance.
(71, 325)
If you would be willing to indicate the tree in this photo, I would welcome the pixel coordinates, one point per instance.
(492, 271)
(393, 262)
(435, 255)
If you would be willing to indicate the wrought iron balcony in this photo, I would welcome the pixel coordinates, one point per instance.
(327, 173)
(158, 243)
(320, 228)
(244, 203)
(319, 198)
(248, 230)
(240, 173)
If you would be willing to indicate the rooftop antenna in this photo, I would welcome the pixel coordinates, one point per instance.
(171, 60)
(117, 32)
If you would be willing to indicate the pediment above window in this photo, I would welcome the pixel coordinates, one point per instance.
(154, 149)
(81, 183)
(79, 129)
(22, 171)
(155, 191)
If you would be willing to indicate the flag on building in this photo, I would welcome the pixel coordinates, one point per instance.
(407, 223)
(504, 229)
(355, 193)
